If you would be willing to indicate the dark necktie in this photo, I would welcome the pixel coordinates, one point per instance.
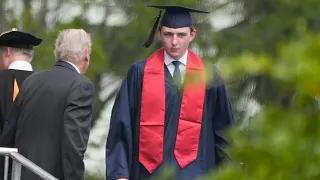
(176, 73)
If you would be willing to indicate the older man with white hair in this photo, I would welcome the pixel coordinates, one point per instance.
(51, 117)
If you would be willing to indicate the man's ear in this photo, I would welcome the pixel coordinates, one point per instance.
(7, 51)
(159, 32)
(87, 55)
(193, 34)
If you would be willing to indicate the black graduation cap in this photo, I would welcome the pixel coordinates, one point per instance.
(19, 39)
(174, 17)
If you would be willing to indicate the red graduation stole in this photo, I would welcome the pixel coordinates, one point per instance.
(153, 112)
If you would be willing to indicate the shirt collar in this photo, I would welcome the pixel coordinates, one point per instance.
(73, 66)
(21, 65)
(168, 59)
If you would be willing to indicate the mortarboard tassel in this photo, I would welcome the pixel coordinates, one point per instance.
(153, 31)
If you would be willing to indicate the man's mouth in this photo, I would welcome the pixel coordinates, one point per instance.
(174, 49)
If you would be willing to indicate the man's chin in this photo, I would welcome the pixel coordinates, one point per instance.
(174, 54)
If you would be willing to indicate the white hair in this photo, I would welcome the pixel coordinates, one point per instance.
(71, 45)
(29, 53)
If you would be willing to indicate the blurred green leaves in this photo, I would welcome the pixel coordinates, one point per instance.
(296, 64)
(246, 63)
(280, 143)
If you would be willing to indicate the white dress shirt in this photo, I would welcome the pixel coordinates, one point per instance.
(20, 65)
(183, 65)
(73, 66)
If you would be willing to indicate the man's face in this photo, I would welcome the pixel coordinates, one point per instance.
(176, 41)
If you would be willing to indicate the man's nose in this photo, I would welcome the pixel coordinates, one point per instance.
(174, 40)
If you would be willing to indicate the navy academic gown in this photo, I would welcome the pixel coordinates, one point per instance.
(122, 148)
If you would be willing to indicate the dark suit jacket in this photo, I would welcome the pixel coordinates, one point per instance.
(50, 121)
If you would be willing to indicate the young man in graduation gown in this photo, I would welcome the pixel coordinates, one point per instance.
(166, 113)
(16, 54)
(50, 120)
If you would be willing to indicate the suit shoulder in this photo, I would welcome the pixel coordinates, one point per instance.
(34, 75)
(83, 81)
(82, 84)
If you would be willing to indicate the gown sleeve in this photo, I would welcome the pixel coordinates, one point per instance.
(222, 120)
(119, 140)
